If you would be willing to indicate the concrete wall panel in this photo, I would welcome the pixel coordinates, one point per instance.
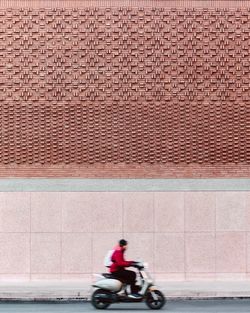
(183, 235)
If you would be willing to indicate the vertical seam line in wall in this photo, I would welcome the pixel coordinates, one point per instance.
(184, 235)
(30, 237)
(61, 234)
(91, 241)
(123, 215)
(246, 258)
(154, 235)
(215, 244)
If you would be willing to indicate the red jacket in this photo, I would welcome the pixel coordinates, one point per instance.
(118, 260)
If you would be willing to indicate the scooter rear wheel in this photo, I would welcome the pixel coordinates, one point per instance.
(153, 303)
(96, 300)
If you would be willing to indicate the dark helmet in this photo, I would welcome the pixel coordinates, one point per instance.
(123, 242)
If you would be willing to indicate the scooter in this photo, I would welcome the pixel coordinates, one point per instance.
(110, 290)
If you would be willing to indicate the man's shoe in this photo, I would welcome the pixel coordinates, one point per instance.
(134, 296)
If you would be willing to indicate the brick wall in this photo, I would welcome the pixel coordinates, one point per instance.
(124, 88)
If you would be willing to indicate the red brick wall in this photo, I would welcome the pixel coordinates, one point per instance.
(132, 89)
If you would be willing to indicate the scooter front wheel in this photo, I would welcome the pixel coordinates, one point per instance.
(100, 299)
(155, 301)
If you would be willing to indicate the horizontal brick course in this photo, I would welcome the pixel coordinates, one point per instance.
(124, 3)
(127, 171)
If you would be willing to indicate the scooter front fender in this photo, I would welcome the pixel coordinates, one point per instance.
(152, 288)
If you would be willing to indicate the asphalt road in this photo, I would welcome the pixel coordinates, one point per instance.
(180, 306)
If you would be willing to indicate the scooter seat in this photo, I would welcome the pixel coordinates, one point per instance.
(108, 275)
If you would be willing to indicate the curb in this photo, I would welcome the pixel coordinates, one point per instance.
(86, 300)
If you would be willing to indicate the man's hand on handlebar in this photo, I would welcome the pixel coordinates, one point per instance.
(138, 265)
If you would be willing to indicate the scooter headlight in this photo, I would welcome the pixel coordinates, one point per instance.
(145, 265)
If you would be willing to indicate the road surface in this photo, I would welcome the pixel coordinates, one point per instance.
(178, 306)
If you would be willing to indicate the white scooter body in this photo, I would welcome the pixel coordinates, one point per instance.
(104, 281)
(113, 285)
(110, 290)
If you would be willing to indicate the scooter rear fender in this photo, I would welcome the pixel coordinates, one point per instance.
(110, 298)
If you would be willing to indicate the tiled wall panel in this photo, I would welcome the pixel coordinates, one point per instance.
(182, 235)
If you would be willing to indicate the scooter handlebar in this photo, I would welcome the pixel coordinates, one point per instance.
(138, 265)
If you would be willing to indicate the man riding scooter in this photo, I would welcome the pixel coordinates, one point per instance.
(112, 287)
(118, 270)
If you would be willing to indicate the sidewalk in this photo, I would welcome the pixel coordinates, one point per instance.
(81, 290)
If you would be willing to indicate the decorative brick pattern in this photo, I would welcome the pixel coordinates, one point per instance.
(125, 87)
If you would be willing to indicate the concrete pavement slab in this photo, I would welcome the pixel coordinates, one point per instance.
(81, 290)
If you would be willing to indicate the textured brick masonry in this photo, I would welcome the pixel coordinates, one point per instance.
(129, 90)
